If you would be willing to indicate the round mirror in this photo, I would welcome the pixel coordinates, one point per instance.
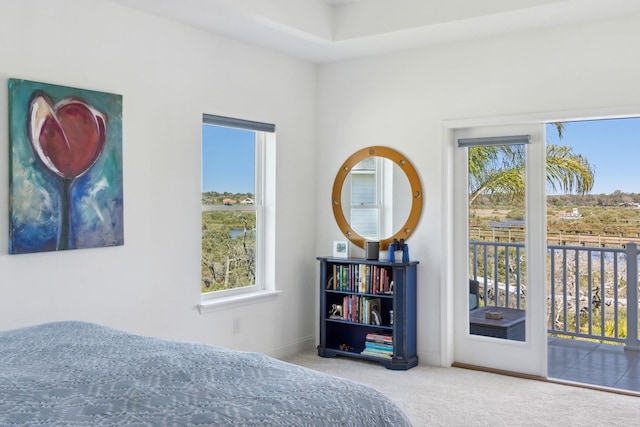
(377, 196)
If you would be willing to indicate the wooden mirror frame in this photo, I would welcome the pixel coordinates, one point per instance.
(416, 191)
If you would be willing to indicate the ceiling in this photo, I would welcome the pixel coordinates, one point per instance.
(335, 2)
(323, 31)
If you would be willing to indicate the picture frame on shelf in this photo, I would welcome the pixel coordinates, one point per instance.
(340, 249)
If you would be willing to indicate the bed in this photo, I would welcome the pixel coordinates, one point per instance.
(83, 374)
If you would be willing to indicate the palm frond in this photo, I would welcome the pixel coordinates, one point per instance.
(499, 170)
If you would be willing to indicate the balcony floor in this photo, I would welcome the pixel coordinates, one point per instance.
(602, 365)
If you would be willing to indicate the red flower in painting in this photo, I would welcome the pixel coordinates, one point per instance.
(67, 137)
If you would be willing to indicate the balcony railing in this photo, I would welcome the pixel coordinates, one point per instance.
(587, 292)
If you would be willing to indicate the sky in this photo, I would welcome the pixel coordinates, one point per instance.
(228, 160)
(611, 146)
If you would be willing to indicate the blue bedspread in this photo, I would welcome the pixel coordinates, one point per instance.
(83, 374)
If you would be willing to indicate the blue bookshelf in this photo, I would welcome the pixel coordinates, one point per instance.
(351, 290)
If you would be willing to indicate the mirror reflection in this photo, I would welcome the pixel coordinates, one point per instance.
(376, 195)
(376, 198)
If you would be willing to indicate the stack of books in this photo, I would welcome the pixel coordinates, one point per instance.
(379, 345)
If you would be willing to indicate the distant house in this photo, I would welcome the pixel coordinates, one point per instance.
(247, 201)
(575, 214)
(229, 202)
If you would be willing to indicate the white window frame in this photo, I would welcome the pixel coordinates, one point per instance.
(264, 183)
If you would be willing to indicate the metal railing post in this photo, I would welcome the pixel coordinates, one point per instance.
(631, 342)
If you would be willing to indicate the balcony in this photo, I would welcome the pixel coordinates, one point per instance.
(592, 329)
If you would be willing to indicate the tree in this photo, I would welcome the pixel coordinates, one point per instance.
(499, 170)
(228, 250)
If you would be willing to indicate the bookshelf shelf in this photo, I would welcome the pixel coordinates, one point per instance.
(351, 291)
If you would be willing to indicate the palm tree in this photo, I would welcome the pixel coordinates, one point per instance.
(499, 170)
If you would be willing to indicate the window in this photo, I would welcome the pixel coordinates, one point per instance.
(233, 206)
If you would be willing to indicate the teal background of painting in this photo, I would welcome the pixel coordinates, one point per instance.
(96, 197)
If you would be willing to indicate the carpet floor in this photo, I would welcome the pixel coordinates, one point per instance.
(432, 396)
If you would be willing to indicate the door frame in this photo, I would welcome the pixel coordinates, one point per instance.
(447, 269)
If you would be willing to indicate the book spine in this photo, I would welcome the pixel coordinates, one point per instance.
(367, 279)
(376, 346)
(371, 352)
(335, 276)
(344, 275)
(379, 338)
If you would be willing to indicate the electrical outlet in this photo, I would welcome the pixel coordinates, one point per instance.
(236, 325)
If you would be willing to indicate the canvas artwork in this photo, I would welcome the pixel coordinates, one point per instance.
(65, 172)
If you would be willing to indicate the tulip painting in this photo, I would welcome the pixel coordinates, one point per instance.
(66, 168)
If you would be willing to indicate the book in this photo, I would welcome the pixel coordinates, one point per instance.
(379, 337)
(370, 352)
(384, 281)
(378, 346)
(334, 277)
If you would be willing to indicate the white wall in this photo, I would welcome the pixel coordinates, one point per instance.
(402, 101)
(168, 75)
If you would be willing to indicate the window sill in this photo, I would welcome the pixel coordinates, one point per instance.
(216, 304)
